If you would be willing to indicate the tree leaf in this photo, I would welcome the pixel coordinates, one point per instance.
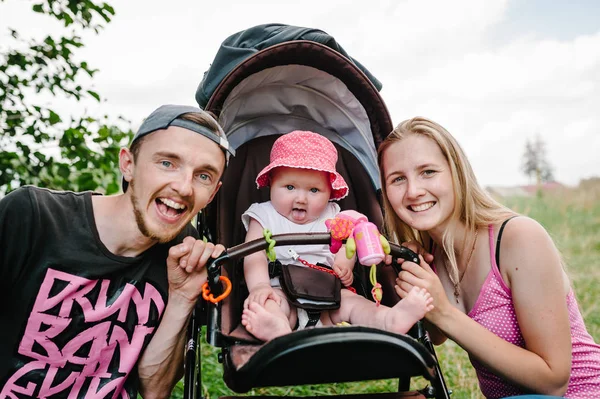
(37, 148)
(54, 118)
(94, 94)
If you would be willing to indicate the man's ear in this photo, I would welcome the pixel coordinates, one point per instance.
(126, 164)
(215, 192)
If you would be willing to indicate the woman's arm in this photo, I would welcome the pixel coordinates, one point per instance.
(532, 266)
(435, 334)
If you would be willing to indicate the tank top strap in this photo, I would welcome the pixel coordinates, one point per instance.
(491, 239)
(497, 252)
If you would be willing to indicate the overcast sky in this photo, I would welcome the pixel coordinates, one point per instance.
(493, 72)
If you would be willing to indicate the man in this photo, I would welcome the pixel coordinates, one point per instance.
(85, 279)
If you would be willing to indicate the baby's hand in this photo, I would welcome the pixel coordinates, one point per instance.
(344, 273)
(260, 294)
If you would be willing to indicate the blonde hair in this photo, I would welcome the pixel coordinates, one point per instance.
(473, 206)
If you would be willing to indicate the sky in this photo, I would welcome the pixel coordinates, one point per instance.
(495, 73)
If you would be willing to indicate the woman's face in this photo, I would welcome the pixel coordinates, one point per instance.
(418, 182)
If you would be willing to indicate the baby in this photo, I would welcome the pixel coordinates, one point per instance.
(303, 180)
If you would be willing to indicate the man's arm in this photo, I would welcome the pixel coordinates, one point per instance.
(161, 365)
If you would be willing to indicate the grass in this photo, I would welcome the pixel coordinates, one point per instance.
(572, 217)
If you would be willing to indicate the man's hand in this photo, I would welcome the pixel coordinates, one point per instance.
(186, 266)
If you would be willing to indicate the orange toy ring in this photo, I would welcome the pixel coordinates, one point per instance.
(210, 297)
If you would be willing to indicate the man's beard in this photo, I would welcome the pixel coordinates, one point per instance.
(141, 223)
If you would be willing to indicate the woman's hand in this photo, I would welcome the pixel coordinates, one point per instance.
(414, 246)
(422, 276)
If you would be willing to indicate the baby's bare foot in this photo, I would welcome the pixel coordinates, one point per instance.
(418, 301)
(409, 310)
(264, 325)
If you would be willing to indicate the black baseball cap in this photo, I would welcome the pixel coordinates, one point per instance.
(169, 115)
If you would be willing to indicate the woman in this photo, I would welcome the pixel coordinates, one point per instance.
(510, 306)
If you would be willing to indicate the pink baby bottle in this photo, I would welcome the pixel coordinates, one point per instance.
(368, 244)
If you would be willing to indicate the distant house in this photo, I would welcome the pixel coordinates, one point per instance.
(523, 191)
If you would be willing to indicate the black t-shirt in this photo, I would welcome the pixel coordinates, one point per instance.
(74, 317)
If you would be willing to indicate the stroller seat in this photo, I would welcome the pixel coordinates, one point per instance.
(239, 177)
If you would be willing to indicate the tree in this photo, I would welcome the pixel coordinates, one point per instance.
(38, 145)
(535, 164)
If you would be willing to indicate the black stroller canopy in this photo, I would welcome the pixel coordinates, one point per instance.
(273, 79)
(242, 45)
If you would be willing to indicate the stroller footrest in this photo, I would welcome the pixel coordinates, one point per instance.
(327, 355)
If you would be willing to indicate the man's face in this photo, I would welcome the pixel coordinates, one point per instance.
(175, 174)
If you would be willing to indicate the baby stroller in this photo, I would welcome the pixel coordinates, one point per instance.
(265, 81)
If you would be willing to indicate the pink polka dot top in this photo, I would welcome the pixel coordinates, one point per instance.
(495, 311)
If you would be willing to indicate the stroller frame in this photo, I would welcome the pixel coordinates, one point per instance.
(424, 357)
(277, 362)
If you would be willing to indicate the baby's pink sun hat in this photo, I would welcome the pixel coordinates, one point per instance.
(305, 150)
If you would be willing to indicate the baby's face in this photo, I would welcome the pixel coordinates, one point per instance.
(300, 195)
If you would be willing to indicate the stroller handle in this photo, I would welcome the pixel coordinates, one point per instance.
(250, 247)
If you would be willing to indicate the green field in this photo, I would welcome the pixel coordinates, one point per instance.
(573, 219)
